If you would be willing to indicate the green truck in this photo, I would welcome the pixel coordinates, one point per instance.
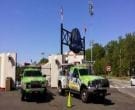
(32, 81)
(81, 81)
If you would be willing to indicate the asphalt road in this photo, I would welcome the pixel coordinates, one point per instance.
(52, 101)
(123, 86)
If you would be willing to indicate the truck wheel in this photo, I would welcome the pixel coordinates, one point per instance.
(45, 91)
(131, 83)
(60, 90)
(22, 96)
(102, 97)
(84, 95)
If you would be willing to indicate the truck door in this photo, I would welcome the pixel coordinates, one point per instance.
(73, 84)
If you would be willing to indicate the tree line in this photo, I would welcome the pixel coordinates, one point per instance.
(119, 54)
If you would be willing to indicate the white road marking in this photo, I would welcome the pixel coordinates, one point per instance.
(126, 86)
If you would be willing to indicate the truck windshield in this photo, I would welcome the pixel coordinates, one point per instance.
(32, 73)
(84, 71)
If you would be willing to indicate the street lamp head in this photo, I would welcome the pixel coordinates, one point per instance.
(91, 8)
(42, 53)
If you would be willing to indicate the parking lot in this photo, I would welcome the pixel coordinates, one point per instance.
(52, 101)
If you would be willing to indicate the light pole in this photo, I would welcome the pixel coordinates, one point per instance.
(91, 51)
(120, 61)
(91, 7)
(91, 12)
(42, 53)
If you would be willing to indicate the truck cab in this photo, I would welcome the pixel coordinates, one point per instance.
(32, 81)
(63, 78)
(83, 82)
(80, 80)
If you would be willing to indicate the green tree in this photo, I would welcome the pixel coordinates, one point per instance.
(19, 71)
(127, 46)
(43, 61)
(88, 54)
(99, 66)
(98, 54)
(119, 54)
(98, 51)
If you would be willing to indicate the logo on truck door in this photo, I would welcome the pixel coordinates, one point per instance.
(74, 81)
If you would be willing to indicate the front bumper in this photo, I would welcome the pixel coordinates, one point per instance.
(94, 90)
(35, 90)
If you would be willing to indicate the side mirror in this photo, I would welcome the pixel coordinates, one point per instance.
(77, 76)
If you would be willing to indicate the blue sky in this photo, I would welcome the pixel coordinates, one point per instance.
(30, 27)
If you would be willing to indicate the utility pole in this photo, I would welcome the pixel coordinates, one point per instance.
(42, 53)
(91, 7)
(120, 61)
(91, 51)
(91, 12)
(91, 55)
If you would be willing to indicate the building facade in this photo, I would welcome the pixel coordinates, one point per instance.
(52, 68)
(7, 68)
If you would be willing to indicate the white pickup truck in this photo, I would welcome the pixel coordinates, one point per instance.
(63, 78)
(79, 80)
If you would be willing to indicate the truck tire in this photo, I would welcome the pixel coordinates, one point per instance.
(60, 90)
(84, 95)
(45, 91)
(102, 97)
(23, 96)
(131, 83)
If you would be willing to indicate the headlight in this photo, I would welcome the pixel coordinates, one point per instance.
(95, 83)
(98, 83)
(24, 85)
(43, 84)
(106, 83)
(28, 85)
(89, 84)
